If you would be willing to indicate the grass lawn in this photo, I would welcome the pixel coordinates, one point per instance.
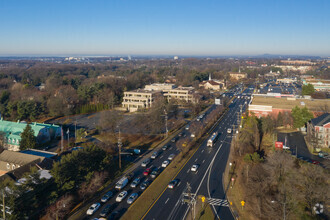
(206, 213)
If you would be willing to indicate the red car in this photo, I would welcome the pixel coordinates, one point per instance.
(315, 162)
(147, 172)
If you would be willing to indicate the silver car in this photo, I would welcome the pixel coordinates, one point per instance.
(132, 198)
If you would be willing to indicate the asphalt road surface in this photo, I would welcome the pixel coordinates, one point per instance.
(207, 181)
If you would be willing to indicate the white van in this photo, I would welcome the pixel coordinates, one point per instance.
(121, 183)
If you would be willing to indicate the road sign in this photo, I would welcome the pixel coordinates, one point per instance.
(203, 199)
(279, 145)
(243, 203)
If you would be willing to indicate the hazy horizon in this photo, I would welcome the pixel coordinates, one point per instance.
(146, 28)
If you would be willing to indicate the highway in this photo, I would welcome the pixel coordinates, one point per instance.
(207, 181)
(121, 207)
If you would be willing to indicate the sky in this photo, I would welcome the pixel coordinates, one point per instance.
(164, 27)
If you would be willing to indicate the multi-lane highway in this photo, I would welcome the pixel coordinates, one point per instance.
(207, 181)
(121, 207)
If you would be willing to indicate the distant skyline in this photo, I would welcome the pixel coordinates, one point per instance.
(172, 27)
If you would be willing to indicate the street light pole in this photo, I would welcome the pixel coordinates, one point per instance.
(119, 147)
(166, 128)
(3, 205)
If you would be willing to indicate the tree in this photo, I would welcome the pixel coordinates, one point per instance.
(28, 139)
(300, 116)
(307, 89)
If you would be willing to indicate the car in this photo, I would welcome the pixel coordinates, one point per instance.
(93, 208)
(145, 184)
(171, 157)
(173, 140)
(121, 196)
(105, 211)
(154, 173)
(114, 215)
(145, 162)
(192, 135)
(154, 155)
(164, 147)
(315, 162)
(132, 198)
(187, 127)
(136, 182)
(106, 196)
(180, 134)
(194, 167)
(147, 172)
(173, 183)
(229, 130)
(165, 163)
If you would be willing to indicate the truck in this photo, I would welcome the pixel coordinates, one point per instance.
(212, 139)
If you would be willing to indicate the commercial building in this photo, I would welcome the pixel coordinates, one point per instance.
(159, 86)
(11, 132)
(213, 84)
(298, 62)
(238, 75)
(319, 84)
(286, 80)
(181, 94)
(262, 106)
(139, 99)
(319, 129)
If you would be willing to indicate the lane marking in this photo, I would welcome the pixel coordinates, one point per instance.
(188, 171)
(203, 161)
(202, 151)
(167, 200)
(161, 157)
(196, 159)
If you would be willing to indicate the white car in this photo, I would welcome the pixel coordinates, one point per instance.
(121, 196)
(171, 157)
(165, 163)
(194, 167)
(192, 135)
(93, 208)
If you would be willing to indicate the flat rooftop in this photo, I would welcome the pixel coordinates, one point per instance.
(284, 103)
(39, 153)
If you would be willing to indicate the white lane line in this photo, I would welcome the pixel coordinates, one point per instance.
(161, 156)
(196, 159)
(188, 171)
(196, 171)
(202, 151)
(203, 161)
(167, 200)
(179, 183)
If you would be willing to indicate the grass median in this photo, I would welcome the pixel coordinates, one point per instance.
(144, 202)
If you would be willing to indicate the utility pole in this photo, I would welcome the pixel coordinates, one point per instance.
(75, 132)
(3, 205)
(190, 199)
(166, 128)
(119, 148)
(62, 139)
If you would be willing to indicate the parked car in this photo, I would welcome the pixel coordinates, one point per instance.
(165, 163)
(145, 184)
(171, 157)
(132, 198)
(194, 167)
(145, 162)
(147, 172)
(154, 155)
(121, 196)
(136, 182)
(164, 147)
(93, 208)
(106, 196)
(173, 183)
(105, 211)
(173, 140)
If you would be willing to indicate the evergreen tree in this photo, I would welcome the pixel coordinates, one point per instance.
(28, 139)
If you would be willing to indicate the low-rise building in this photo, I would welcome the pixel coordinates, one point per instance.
(319, 84)
(181, 93)
(238, 75)
(11, 132)
(319, 129)
(159, 86)
(139, 99)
